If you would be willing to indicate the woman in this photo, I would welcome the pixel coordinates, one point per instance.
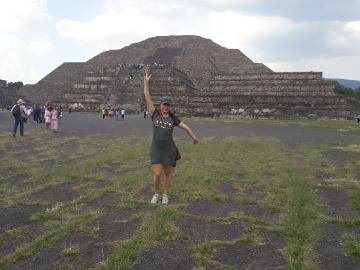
(163, 151)
(111, 114)
(47, 115)
(54, 118)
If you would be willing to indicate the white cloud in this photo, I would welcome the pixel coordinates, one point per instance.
(10, 62)
(336, 67)
(9, 42)
(234, 30)
(41, 46)
(353, 26)
(33, 77)
(10, 65)
(16, 14)
(107, 25)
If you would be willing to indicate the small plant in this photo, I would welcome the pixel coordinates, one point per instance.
(249, 240)
(71, 252)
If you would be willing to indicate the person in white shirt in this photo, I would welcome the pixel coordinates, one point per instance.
(47, 117)
(29, 113)
(122, 114)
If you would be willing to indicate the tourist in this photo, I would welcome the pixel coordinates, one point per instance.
(59, 115)
(48, 109)
(163, 151)
(54, 118)
(29, 113)
(37, 114)
(358, 118)
(111, 114)
(19, 113)
(103, 113)
(34, 113)
(117, 115)
(122, 114)
(145, 113)
(43, 114)
(106, 114)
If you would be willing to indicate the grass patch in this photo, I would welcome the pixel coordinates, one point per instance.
(158, 228)
(350, 245)
(71, 252)
(249, 239)
(348, 222)
(13, 233)
(203, 252)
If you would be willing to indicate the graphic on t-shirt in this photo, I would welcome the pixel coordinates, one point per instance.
(159, 123)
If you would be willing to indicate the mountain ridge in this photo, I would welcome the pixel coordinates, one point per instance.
(353, 84)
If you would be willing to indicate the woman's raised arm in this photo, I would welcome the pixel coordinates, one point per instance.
(149, 104)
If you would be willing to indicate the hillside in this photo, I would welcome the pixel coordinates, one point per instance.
(348, 83)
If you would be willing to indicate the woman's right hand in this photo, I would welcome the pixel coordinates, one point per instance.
(146, 79)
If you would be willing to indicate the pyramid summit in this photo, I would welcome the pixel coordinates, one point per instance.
(202, 77)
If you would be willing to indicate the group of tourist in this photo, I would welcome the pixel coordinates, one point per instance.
(113, 113)
(50, 115)
(135, 66)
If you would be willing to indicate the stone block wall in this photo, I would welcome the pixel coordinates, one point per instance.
(3, 84)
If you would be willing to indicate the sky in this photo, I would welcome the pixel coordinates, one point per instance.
(36, 36)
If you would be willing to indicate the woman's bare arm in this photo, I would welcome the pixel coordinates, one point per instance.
(189, 132)
(149, 104)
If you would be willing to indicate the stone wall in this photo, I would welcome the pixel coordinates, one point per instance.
(3, 84)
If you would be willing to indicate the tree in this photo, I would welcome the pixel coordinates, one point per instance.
(341, 89)
(357, 93)
(15, 85)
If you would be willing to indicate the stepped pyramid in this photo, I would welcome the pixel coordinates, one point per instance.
(203, 78)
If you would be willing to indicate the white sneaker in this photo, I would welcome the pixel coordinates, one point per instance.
(165, 199)
(155, 198)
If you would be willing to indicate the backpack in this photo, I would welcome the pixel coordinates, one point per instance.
(16, 111)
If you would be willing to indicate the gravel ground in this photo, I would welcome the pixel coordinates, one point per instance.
(85, 125)
(175, 255)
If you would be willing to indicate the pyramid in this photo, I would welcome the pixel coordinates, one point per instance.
(204, 79)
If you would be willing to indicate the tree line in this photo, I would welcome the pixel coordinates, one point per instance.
(343, 90)
(15, 85)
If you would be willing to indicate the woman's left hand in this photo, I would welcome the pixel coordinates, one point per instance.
(196, 141)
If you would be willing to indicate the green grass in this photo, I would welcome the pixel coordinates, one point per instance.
(71, 252)
(249, 239)
(350, 245)
(286, 180)
(203, 252)
(13, 233)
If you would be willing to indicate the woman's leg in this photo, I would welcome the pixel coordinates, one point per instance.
(167, 178)
(157, 177)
